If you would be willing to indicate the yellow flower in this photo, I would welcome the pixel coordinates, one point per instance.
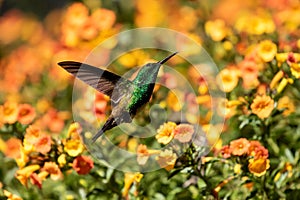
(287, 104)
(166, 159)
(21, 162)
(227, 79)
(62, 160)
(165, 133)
(216, 29)
(129, 179)
(259, 166)
(11, 196)
(262, 106)
(267, 50)
(295, 69)
(73, 147)
(237, 168)
(23, 174)
(278, 76)
(173, 102)
(10, 112)
(74, 131)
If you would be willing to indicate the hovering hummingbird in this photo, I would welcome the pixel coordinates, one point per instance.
(127, 97)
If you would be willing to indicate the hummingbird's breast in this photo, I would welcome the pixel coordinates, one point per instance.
(140, 96)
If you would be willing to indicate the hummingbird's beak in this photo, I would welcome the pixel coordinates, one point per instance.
(167, 58)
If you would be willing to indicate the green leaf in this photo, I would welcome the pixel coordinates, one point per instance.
(201, 183)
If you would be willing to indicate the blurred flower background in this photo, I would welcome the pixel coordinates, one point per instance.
(255, 45)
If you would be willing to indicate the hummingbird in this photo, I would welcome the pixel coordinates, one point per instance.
(127, 97)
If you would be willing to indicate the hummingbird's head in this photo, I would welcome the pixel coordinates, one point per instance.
(148, 72)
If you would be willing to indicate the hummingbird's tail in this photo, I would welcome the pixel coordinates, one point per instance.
(167, 58)
(109, 124)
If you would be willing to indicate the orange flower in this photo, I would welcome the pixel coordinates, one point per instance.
(227, 79)
(249, 72)
(26, 114)
(53, 169)
(267, 50)
(166, 159)
(10, 112)
(101, 101)
(239, 147)
(226, 151)
(143, 154)
(76, 14)
(165, 133)
(43, 144)
(83, 164)
(259, 166)
(32, 134)
(257, 150)
(184, 132)
(13, 148)
(262, 106)
(103, 19)
(287, 104)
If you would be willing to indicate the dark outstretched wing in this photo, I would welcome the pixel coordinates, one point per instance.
(102, 80)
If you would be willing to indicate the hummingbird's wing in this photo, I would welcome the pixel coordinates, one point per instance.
(102, 80)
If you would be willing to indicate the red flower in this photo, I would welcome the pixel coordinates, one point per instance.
(83, 164)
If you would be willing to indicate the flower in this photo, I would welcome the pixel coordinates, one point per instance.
(216, 29)
(184, 132)
(73, 147)
(165, 133)
(10, 112)
(262, 106)
(11, 196)
(267, 50)
(103, 19)
(53, 169)
(259, 166)
(143, 154)
(62, 160)
(83, 164)
(226, 151)
(287, 105)
(129, 179)
(13, 148)
(278, 76)
(173, 102)
(74, 131)
(257, 150)
(249, 72)
(26, 114)
(227, 79)
(23, 174)
(166, 159)
(295, 69)
(239, 147)
(43, 144)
